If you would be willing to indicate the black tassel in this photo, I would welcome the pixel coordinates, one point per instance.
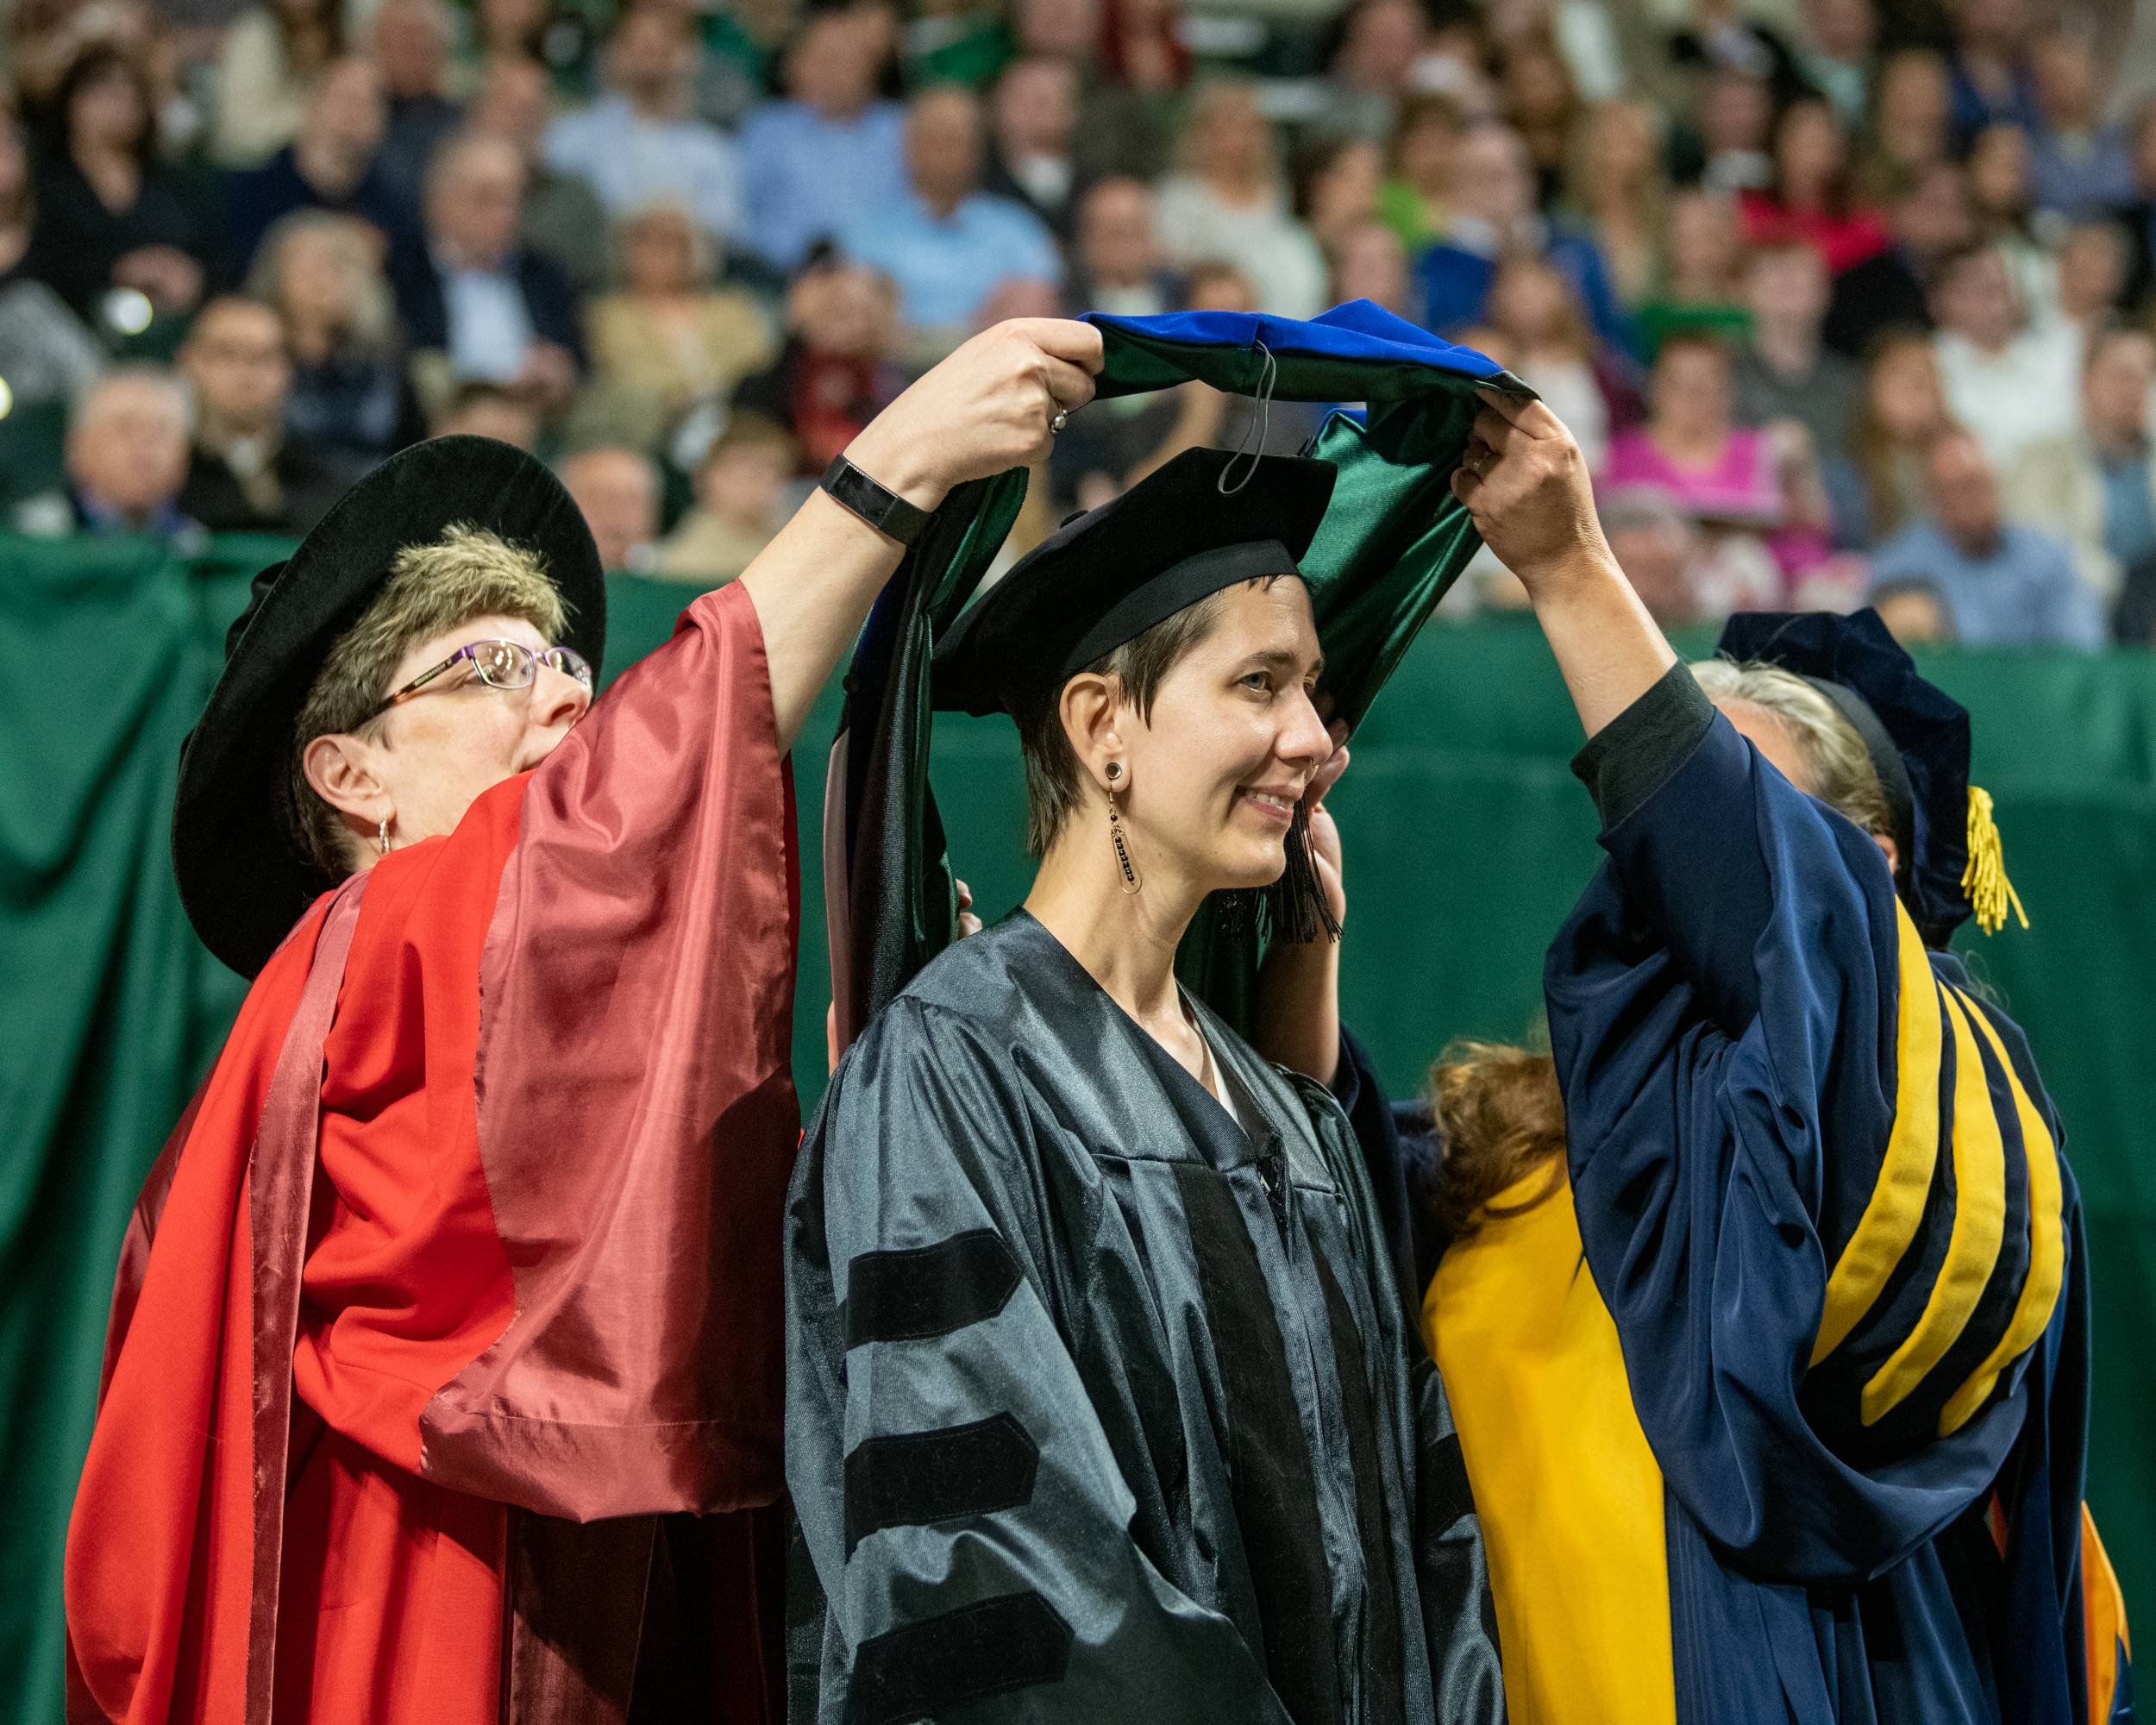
(1297, 909)
(1294, 907)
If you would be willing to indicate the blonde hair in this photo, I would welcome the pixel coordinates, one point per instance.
(1836, 763)
(465, 573)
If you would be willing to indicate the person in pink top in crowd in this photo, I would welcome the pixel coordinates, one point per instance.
(1762, 485)
(1691, 445)
(1729, 479)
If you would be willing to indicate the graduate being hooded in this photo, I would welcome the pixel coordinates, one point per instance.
(1101, 1397)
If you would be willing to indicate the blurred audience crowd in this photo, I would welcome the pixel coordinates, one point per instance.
(1847, 300)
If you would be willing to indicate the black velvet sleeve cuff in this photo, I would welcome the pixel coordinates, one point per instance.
(1629, 759)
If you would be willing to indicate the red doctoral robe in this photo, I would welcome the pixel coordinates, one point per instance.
(460, 1275)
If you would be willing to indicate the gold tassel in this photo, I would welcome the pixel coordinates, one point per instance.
(1984, 879)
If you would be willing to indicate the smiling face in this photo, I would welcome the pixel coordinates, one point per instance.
(1214, 772)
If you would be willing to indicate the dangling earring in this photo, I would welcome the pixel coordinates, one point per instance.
(381, 834)
(1130, 881)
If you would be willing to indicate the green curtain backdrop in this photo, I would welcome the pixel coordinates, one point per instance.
(1467, 841)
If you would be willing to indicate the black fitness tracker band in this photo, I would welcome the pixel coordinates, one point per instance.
(882, 509)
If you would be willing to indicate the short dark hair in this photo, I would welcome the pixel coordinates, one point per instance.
(1053, 781)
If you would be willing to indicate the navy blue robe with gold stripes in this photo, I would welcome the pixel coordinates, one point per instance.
(1819, 1187)
(1099, 1407)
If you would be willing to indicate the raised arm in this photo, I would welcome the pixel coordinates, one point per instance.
(985, 408)
(1526, 483)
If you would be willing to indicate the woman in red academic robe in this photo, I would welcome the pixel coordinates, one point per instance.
(459, 1280)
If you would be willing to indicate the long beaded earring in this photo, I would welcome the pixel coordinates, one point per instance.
(1131, 884)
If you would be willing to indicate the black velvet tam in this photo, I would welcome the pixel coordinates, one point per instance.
(1206, 520)
(1916, 734)
(240, 878)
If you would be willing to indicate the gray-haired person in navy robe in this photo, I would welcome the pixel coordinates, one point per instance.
(1819, 1186)
(1102, 1403)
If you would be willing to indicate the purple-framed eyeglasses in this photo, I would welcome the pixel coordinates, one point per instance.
(499, 665)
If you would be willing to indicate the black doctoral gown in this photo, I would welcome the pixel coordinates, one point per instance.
(1101, 1408)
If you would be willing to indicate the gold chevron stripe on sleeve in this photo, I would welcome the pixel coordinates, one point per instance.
(1973, 1247)
(2047, 1244)
(1896, 1205)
